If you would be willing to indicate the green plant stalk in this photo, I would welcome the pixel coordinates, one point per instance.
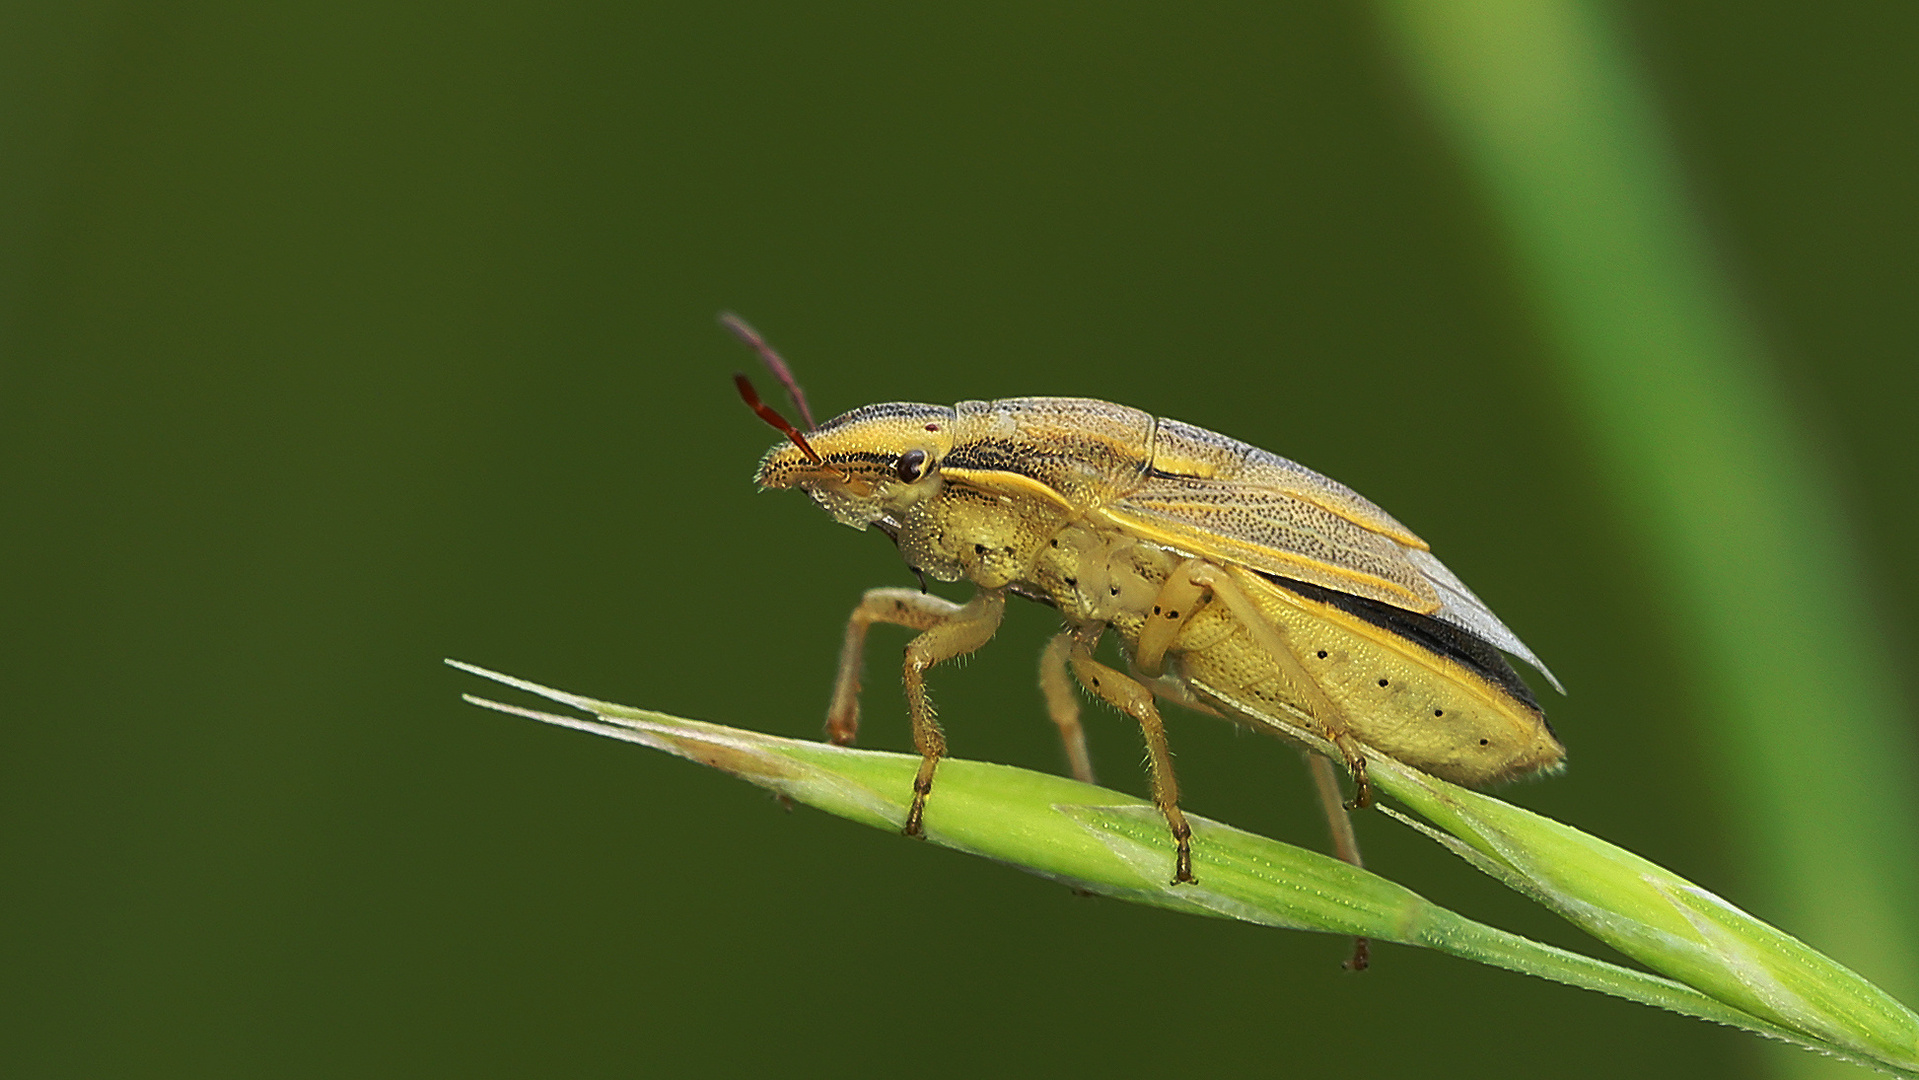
(1106, 842)
(1806, 740)
(1660, 919)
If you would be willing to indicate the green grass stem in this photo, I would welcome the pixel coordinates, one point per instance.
(1716, 962)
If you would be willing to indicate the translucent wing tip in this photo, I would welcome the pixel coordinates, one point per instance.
(1461, 608)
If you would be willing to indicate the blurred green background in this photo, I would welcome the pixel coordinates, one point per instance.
(339, 338)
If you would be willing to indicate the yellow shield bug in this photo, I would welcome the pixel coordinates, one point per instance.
(1238, 583)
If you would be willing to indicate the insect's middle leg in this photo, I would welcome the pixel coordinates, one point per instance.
(1063, 705)
(1130, 697)
(1184, 590)
(1181, 595)
(966, 629)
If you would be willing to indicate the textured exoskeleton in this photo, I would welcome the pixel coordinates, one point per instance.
(1236, 581)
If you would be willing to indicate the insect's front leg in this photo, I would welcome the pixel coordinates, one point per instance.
(963, 631)
(1129, 696)
(910, 608)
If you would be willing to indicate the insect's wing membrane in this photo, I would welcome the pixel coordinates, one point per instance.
(1223, 499)
(1462, 609)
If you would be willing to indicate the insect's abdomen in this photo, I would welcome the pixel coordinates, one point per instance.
(1417, 705)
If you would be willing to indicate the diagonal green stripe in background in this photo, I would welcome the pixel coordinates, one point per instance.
(1808, 734)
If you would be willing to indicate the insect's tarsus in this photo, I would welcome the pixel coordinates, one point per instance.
(745, 332)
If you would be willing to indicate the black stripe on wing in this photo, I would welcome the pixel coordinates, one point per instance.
(1425, 631)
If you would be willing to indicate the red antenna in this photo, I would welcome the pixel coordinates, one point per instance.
(778, 366)
(752, 399)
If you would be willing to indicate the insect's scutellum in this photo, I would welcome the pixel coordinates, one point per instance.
(1238, 583)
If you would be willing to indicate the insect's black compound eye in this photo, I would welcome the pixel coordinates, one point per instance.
(911, 466)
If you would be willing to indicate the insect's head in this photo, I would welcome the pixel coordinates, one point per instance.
(869, 465)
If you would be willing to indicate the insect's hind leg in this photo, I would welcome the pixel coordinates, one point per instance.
(1063, 705)
(910, 608)
(1181, 596)
(960, 633)
(1130, 697)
